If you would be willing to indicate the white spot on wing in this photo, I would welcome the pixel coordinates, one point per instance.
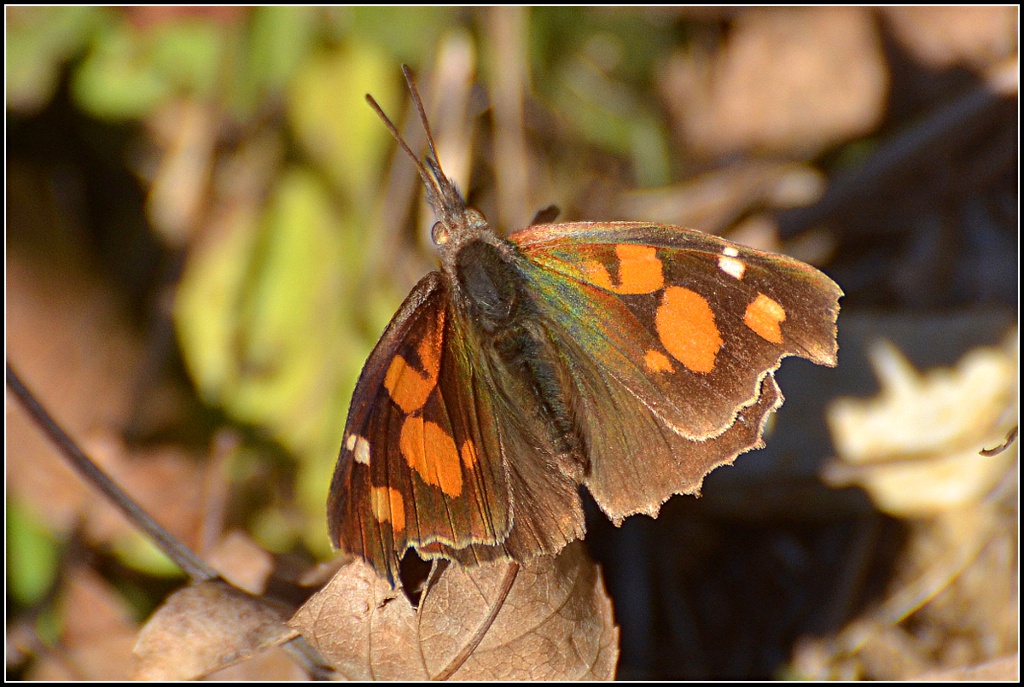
(362, 451)
(730, 252)
(731, 266)
(360, 447)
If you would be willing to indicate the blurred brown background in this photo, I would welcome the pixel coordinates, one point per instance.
(207, 229)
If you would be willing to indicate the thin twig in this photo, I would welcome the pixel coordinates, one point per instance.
(191, 564)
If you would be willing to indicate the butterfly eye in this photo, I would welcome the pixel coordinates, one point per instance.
(439, 234)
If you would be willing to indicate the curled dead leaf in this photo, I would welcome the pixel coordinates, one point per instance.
(918, 448)
(204, 627)
(553, 622)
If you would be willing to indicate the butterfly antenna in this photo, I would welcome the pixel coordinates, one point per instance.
(423, 116)
(428, 179)
(442, 195)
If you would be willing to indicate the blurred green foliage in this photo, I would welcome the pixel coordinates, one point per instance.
(272, 311)
(126, 74)
(40, 40)
(32, 555)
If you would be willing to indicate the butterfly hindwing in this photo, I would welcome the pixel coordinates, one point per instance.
(542, 461)
(637, 461)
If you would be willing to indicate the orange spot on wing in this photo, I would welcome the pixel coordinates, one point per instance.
(640, 270)
(468, 454)
(597, 274)
(656, 361)
(431, 452)
(687, 329)
(408, 387)
(430, 351)
(763, 316)
(387, 506)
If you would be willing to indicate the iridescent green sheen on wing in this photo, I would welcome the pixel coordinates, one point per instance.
(617, 331)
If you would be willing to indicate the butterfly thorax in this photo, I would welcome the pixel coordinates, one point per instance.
(494, 302)
(488, 281)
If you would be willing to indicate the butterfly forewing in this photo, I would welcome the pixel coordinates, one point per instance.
(415, 467)
(688, 322)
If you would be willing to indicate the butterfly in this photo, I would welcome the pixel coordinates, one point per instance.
(628, 357)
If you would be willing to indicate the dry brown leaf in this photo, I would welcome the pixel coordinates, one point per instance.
(72, 342)
(205, 627)
(164, 479)
(786, 79)
(97, 635)
(555, 623)
(241, 561)
(943, 37)
(274, 664)
(68, 342)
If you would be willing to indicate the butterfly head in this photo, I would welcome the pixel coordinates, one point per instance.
(456, 223)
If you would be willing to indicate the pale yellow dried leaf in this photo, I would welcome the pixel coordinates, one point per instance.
(916, 447)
